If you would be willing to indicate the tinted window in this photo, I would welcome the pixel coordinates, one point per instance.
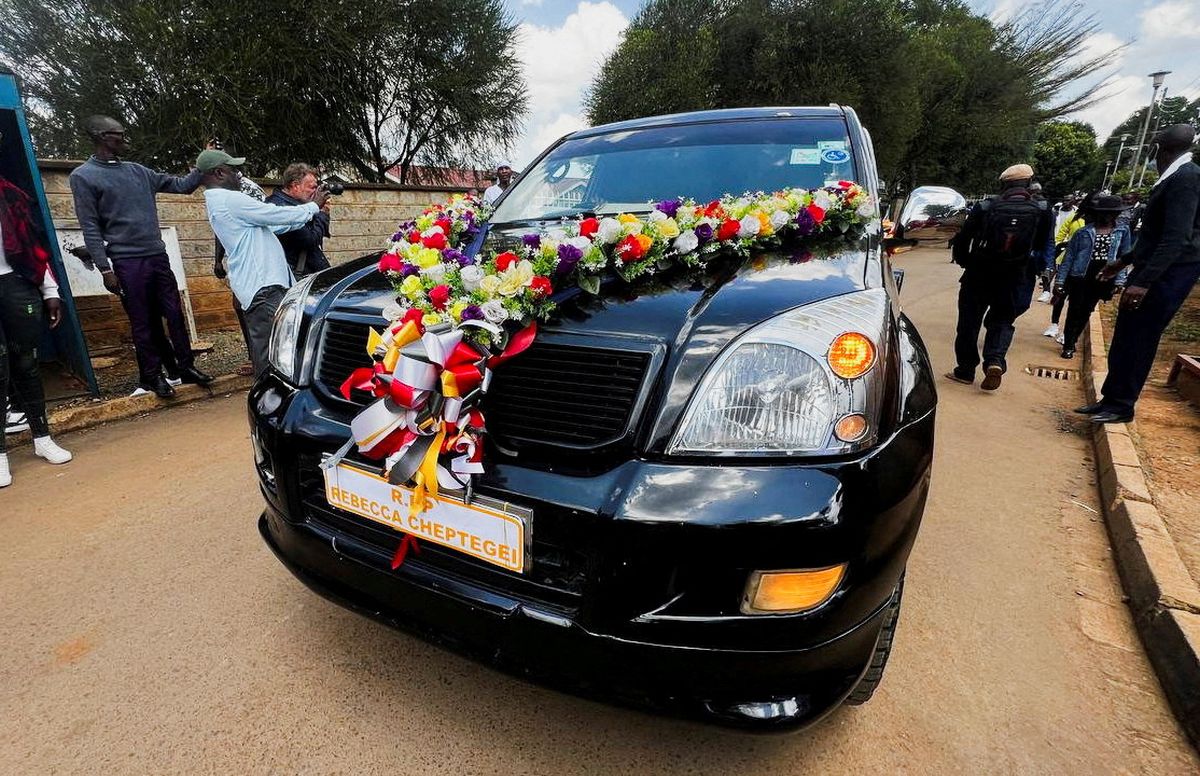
(624, 170)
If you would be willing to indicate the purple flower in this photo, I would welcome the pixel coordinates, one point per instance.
(533, 241)
(450, 254)
(409, 269)
(805, 224)
(398, 236)
(704, 233)
(472, 313)
(668, 207)
(568, 257)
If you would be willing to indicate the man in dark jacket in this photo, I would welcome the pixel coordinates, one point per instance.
(302, 247)
(1004, 245)
(1166, 264)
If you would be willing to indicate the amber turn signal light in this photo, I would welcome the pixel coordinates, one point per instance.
(776, 592)
(851, 355)
(851, 428)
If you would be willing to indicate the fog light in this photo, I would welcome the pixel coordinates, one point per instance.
(790, 591)
(851, 428)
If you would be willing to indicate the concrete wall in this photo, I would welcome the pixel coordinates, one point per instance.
(363, 219)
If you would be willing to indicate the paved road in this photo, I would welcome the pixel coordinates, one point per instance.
(147, 630)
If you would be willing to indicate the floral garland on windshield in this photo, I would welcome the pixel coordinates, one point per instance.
(451, 322)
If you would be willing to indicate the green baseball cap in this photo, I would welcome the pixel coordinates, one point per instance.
(211, 159)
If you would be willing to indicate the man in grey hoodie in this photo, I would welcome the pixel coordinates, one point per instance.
(115, 205)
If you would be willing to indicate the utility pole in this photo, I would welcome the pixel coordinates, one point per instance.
(1157, 80)
(1157, 124)
(1117, 164)
(1104, 180)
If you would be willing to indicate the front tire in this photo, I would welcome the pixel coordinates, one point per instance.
(883, 648)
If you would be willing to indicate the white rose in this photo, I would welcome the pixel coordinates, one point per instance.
(394, 312)
(434, 271)
(657, 215)
(471, 275)
(686, 242)
(494, 311)
(749, 226)
(822, 199)
(866, 209)
(779, 218)
(609, 231)
(582, 243)
(432, 231)
(556, 235)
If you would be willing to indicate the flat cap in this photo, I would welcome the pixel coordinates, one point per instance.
(1018, 172)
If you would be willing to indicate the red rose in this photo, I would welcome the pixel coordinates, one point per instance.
(439, 296)
(817, 213)
(588, 227)
(540, 285)
(630, 248)
(390, 263)
(414, 315)
(728, 229)
(444, 223)
(844, 184)
(436, 240)
(505, 260)
(714, 210)
(414, 236)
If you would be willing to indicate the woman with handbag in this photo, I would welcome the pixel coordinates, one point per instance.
(1090, 249)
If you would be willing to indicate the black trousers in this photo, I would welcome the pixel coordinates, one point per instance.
(992, 301)
(21, 325)
(1083, 294)
(1136, 336)
(149, 294)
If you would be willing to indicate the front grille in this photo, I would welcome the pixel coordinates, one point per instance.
(576, 396)
(555, 578)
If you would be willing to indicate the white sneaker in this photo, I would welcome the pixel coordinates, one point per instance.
(1051, 330)
(1059, 339)
(15, 422)
(5, 474)
(1045, 297)
(45, 447)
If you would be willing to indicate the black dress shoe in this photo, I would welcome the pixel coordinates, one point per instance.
(194, 376)
(160, 386)
(1091, 409)
(1068, 353)
(1109, 416)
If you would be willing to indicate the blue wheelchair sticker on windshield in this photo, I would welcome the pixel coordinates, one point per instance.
(835, 156)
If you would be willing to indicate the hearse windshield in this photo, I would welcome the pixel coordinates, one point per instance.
(623, 171)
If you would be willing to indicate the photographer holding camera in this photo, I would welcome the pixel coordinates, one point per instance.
(302, 247)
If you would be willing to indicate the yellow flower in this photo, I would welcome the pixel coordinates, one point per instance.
(668, 228)
(489, 285)
(412, 287)
(515, 278)
(427, 257)
(456, 310)
(628, 218)
(765, 220)
(431, 319)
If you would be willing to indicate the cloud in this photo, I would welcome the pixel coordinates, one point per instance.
(1123, 96)
(1171, 20)
(1003, 10)
(1103, 44)
(559, 63)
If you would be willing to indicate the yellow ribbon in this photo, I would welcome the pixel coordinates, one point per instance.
(425, 481)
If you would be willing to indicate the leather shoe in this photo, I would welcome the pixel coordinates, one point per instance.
(160, 386)
(1111, 417)
(194, 376)
(1068, 352)
(1091, 409)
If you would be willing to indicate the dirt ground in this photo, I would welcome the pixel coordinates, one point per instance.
(146, 628)
(1167, 433)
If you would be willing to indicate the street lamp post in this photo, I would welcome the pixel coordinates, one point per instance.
(1157, 80)
(1104, 180)
(1157, 124)
(1116, 165)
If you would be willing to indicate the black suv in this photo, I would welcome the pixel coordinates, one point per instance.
(703, 533)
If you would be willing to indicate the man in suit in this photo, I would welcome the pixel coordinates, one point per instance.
(1166, 264)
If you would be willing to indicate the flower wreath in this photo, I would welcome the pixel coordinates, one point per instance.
(457, 315)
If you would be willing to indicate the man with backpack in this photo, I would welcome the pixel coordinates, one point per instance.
(1004, 245)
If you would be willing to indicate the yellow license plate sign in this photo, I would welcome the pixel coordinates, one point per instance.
(485, 529)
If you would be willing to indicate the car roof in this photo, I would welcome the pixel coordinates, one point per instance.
(727, 114)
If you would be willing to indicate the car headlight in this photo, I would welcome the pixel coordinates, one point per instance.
(807, 382)
(284, 349)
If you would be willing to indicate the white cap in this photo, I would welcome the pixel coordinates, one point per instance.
(504, 164)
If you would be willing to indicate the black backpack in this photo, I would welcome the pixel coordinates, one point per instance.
(1010, 227)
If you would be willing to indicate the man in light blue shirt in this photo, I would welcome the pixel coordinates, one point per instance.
(258, 271)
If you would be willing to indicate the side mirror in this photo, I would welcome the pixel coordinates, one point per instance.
(932, 215)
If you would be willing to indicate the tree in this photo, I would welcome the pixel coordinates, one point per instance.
(949, 97)
(316, 82)
(1066, 158)
(1171, 110)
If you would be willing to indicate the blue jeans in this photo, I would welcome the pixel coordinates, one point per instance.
(1136, 336)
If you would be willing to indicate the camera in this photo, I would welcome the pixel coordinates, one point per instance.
(333, 187)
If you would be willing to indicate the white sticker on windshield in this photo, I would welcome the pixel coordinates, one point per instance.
(806, 156)
(827, 144)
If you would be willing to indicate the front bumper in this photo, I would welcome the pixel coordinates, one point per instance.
(637, 574)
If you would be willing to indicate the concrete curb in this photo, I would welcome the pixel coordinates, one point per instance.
(83, 416)
(1163, 597)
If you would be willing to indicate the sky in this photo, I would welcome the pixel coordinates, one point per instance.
(562, 44)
